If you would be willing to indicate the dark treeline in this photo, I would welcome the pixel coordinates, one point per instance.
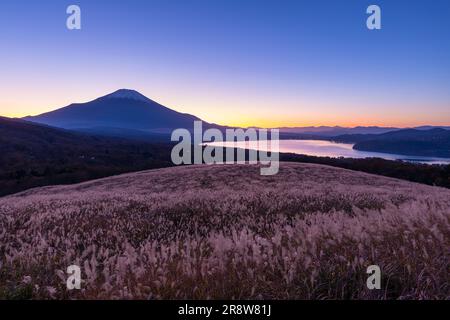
(25, 166)
(72, 165)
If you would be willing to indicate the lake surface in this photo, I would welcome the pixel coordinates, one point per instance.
(321, 148)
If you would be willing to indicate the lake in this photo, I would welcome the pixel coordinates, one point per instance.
(321, 148)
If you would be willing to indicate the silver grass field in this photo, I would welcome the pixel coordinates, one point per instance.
(226, 232)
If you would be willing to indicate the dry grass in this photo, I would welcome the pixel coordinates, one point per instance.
(227, 232)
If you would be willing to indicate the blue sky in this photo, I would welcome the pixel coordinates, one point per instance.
(236, 62)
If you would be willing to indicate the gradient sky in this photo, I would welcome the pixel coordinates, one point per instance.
(236, 62)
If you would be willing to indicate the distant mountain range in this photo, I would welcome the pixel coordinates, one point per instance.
(425, 142)
(127, 113)
(326, 131)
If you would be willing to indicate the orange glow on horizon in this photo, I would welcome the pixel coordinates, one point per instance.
(245, 121)
(263, 114)
(291, 123)
(330, 121)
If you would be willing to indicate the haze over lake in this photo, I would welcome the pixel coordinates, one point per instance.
(322, 148)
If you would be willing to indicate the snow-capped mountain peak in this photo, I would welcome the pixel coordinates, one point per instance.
(127, 94)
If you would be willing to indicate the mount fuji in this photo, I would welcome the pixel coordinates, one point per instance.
(124, 112)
